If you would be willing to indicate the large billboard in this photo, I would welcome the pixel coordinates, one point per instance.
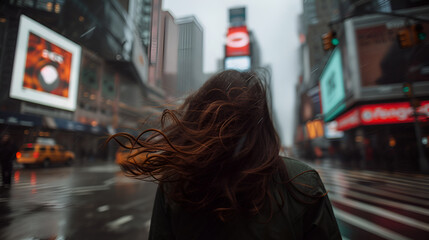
(237, 42)
(332, 87)
(382, 61)
(46, 67)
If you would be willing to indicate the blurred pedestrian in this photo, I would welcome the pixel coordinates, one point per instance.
(220, 175)
(7, 155)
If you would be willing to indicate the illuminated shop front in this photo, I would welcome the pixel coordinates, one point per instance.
(385, 135)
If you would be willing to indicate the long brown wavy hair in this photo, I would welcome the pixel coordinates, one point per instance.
(219, 151)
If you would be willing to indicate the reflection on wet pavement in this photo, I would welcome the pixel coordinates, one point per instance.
(92, 202)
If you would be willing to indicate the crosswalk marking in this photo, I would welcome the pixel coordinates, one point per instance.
(377, 177)
(368, 226)
(396, 198)
(381, 201)
(378, 192)
(415, 184)
(406, 190)
(380, 212)
(347, 186)
(396, 180)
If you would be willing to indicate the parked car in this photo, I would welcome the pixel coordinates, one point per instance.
(43, 154)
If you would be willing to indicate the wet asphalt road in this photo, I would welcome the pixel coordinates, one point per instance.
(80, 202)
(97, 201)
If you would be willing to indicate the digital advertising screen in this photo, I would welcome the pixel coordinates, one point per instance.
(332, 87)
(46, 67)
(382, 61)
(237, 42)
(240, 63)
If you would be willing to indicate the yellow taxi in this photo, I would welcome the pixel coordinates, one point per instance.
(43, 154)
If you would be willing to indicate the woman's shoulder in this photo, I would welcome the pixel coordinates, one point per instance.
(304, 179)
(295, 166)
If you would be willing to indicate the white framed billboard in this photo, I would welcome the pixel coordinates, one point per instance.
(46, 67)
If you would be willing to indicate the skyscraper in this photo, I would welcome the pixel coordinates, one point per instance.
(190, 56)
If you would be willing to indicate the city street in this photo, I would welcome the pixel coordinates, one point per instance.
(97, 202)
(85, 202)
(378, 205)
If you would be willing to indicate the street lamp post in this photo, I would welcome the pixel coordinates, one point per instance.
(407, 89)
(423, 163)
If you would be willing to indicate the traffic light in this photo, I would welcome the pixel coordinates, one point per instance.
(418, 32)
(410, 36)
(329, 40)
(407, 89)
(334, 39)
(404, 38)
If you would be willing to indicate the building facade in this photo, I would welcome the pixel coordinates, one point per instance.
(169, 65)
(190, 56)
(93, 80)
(356, 93)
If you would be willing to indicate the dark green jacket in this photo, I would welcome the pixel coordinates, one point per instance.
(302, 216)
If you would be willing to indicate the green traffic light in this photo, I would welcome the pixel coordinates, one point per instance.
(421, 36)
(406, 89)
(335, 41)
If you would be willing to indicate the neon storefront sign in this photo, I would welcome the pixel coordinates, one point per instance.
(386, 113)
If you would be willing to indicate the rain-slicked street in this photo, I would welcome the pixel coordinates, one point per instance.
(378, 204)
(88, 202)
(98, 202)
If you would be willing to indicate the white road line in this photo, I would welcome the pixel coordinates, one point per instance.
(389, 187)
(414, 182)
(419, 194)
(403, 206)
(406, 176)
(332, 184)
(368, 226)
(109, 181)
(118, 222)
(380, 212)
(397, 179)
(406, 190)
(147, 224)
(103, 208)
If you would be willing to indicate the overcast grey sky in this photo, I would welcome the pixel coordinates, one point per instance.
(274, 23)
